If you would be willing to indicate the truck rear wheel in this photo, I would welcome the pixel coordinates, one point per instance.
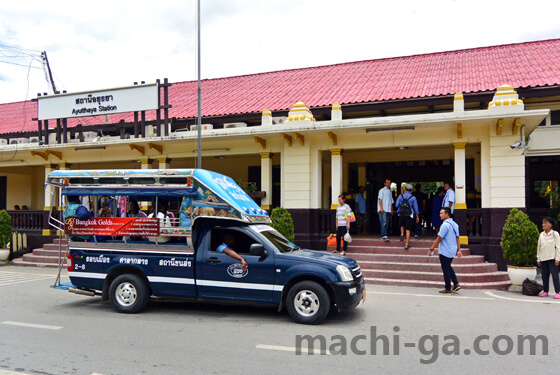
(129, 293)
(308, 302)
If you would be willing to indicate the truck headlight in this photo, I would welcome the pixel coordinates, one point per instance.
(344, 272)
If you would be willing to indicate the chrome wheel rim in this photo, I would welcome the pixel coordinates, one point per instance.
(126, 294)
(306, 303)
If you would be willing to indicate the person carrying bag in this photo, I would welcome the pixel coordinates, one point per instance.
(343, 215)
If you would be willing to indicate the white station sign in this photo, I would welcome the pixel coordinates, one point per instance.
(101, 102)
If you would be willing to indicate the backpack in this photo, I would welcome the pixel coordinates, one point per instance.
(405, 208)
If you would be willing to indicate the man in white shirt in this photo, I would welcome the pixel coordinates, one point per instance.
(449, 198)
(385, 208)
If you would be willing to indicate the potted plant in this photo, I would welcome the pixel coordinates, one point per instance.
(5, 234)
(519, 243)
(282, 222)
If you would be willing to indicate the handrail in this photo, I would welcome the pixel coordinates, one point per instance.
(51, 217)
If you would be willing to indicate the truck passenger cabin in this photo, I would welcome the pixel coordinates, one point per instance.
(127, 255)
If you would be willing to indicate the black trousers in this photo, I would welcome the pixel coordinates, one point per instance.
(549, 267)
(448, 272)
(340, 232)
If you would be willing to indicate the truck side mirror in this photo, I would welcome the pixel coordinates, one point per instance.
(258, 250)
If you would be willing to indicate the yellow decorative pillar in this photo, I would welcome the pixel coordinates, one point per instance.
(300, 112)
(266, 118)
(266, 180)
(336, 176)
(336, 112)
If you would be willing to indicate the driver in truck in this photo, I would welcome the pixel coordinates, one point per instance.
(227, 248)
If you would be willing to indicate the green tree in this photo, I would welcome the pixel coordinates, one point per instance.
(282, 222)
(5, 229)
(519, 239)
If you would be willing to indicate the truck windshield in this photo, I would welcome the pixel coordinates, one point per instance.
(279, 241)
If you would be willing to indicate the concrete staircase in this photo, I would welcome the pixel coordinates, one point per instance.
(388, 263)
(382, 263)
(47, 256)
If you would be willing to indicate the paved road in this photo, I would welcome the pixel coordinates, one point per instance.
(47, 331)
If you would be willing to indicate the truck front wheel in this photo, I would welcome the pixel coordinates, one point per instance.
(308, 302)
(128, 294)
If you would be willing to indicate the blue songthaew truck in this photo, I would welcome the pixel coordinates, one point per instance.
(128, 257)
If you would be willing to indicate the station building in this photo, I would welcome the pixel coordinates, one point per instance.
(486, 118)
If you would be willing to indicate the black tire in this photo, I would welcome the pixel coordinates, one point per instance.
(129, 294)
(308, 302)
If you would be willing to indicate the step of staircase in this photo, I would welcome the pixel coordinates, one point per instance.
(47, 256)
(21, 263)
(429, 267)
(438, 285)
(365, 249)
(404, 258)
(388, 263)
(480, 277)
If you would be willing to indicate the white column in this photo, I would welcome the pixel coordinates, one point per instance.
(49, 190)
(266, 180)
(164, 162)
(63, 166)
(336, 176)
(460, 176)
(146, 163)
(485, 173)
(507, 173)
(49, 199)
(297, 176)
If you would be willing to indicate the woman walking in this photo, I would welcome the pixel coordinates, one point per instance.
(343, 212)
(548, 256)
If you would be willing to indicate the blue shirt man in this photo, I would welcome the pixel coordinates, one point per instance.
(227, 248)
(449, 246)
(449, 198)
(407, 221)
(361, 214)
(409, 197)
(449, 232)
(360, 202)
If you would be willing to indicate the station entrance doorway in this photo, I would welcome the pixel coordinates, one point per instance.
(429, 174)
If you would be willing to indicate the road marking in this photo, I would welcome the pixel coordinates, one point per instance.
(6, 372)
(31, 325)
(540, 300)
(454, 296)
(291, 349)
(10, 278)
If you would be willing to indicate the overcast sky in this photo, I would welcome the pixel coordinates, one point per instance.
(106, 44)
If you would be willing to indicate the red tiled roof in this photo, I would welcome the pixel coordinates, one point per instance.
(530, 64)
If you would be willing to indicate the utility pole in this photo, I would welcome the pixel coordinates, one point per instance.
(199, 117)
(45, 59)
